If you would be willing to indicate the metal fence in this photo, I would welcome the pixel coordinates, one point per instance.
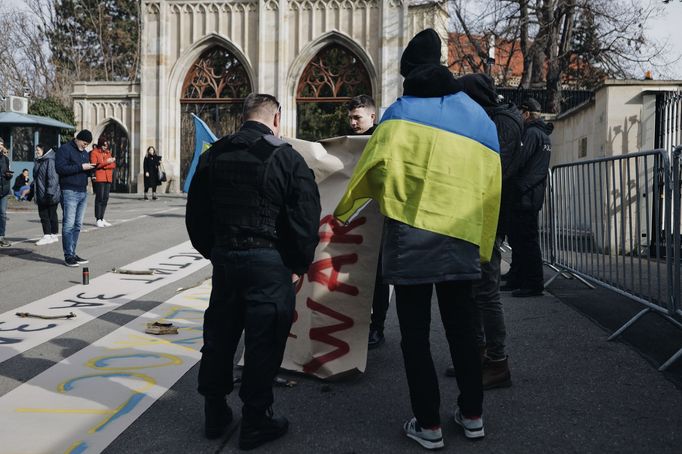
(569, 98)
(615, 222)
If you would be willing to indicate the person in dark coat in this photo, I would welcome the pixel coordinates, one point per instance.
(152, 162)
(362, 117)
(489, 324)
(527, 199)
(5, 190)
(47, 194)
(72, 163)
(253, 209)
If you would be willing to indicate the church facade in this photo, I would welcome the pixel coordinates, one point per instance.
(202, 57)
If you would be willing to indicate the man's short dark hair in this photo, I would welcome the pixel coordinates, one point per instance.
(260, 105)
(359, 101)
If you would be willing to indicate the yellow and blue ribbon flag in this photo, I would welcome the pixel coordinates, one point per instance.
(434, 164)
(203, 139)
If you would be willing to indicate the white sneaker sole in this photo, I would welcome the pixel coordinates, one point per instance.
(469, 433)
(426, 443)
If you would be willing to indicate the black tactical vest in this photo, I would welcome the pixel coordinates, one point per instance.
(240, 207)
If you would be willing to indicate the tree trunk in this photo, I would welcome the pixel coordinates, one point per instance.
(524, 43)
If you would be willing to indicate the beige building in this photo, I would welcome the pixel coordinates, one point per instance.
(619, 119)
(203, 57)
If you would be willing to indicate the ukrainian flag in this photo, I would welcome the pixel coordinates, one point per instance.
(434, 164)
(203, 139)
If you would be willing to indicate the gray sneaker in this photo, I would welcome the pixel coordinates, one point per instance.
(473, 427)
(4, 243)
(429, 438)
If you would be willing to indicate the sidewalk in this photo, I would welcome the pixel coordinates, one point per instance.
(573, 392)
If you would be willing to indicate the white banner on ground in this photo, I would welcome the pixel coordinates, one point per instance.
(83, 403)
(104, 293)
(334, 298)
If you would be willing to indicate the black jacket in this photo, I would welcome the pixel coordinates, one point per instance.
(150, 166)
(290, 181)
(509, 124)
(46, 180)
(69, 164)
(20, 181)
(534, 163)
(5, 177)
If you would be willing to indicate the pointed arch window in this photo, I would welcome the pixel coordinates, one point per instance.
(329, 81)
(216, 77)
(214, 90)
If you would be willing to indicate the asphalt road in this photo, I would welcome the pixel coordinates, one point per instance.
(573, 392)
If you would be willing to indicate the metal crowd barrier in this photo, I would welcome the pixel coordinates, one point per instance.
(615, 222)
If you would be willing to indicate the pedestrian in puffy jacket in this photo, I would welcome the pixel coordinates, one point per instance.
(47, 194)
(105, 164)
(529, 186)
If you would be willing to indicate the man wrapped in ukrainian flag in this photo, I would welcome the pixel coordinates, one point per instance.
(433, 167)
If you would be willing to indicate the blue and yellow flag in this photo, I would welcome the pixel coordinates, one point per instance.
(203, 139)
(434, 164)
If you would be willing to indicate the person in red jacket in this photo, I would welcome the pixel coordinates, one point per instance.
(105, 164)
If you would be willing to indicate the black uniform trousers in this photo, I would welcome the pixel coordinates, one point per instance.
(252, 293)
(524, 239)
(456, 303)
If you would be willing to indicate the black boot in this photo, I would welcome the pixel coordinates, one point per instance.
(257, 431)
(218, 416)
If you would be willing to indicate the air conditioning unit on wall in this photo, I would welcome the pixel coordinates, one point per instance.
(16, 104)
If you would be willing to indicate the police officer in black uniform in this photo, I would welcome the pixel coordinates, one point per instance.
(253, 209)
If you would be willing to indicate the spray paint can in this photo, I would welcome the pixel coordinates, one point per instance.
(86, 275)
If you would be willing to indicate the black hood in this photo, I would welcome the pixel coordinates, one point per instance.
(480, 88)
(508, 110)
(430, 81)
(420, 64)
(423, 49)
(539, 123)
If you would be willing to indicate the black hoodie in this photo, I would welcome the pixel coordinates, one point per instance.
(509, 124)
(420, 65)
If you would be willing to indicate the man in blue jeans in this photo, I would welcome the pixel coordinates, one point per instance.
(73, 166)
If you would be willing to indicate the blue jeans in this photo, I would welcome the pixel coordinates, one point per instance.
(3, 215)
(73, 204)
